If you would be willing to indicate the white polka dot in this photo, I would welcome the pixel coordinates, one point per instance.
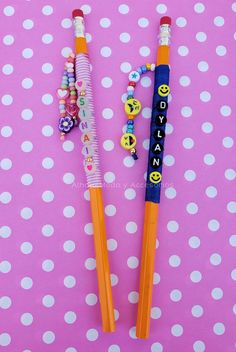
(131, 227)
(232, 240)
(225, 110)
(169, 160)
(147, 113)
(169, 128)
(106, 82)
(188, 143)
(47, 68)
(48, 265)
(47, 163)
(68, 146)
(69, 211)
(124, 37)
(110, 210)
(213, 225)
(156, 347)
(233, 274)
(5, 302)
(66, 23)
(47, 10)
(91, 299)
(86, 9)
(107, 113)
(27, 114)
(230, 174)
(47, 196)
(68, 178)
(211, 192)
(48, 38)
(88, 37)
(70, 317)
(195, 276)
(8, 39)
(88, 228)
(69, 281)
(217, 293)
(203, 66)
(219, 21)
(6, 164)
(223, 80)
(92, 335)
(28, 24)
(47, 99)
(87, 195)
(231, 207)
(146, 143)
(7, 99)
(146, 82)
(48, 301)
(130, 193)
(156, 279)
(219, 328)
(114, 348)
(183, 50)
(209, 159)
(221, 50)
(132, 333)
(177, 330)
(174, 261)
(133, 297)
(197, 311)
(172, 226)
(90, 264)
(114, 280)
(26, 319)
(201, 37)
(111, 244)
(143, 22)
(7, 69)
(205, 96)
(9, 11)
(234, 308)
(5, 197)
(5, 339)
(5, 266)
(228, 142)
(128, 161)
(108, 145)
(26, 283)
(69, 246)
(27, 53)
(47, 131)
(170, 192)
(105, 22)
(199, 7)
(190, 175)
(181, 22)
(6, 131)
(132, 262)
(123, 9)
(26, 213)
(109, 177)
(155, 313)
(106, 52)
(27, 146)
(48, 337)
(199, 346)
(161, 8)
(175, 295)
(207, 127)
(186, 111)
(233, 6)
(26, 247)
(5, 231)
(144, 51)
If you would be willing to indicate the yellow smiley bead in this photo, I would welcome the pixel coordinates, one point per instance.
(163, 90)
(132, 107)
(155, 177)
(128, 141)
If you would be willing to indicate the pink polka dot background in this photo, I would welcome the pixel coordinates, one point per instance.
(48, 284)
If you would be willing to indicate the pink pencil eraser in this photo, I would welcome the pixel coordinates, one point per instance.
(165, 20)
(77, 13)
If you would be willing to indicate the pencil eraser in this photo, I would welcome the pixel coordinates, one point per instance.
(165, 20)
(77, 13)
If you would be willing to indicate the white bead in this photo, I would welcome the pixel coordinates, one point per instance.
(130, 89)
(134, 76)
(153, 66)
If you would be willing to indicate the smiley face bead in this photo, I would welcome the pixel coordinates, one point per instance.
(128, 141)
(163, 90)
(132, 107)
(155, 177)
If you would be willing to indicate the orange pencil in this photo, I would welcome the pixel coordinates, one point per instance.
(92, 169)
(154, 176)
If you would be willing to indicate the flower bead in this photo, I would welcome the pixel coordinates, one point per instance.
(66, 124)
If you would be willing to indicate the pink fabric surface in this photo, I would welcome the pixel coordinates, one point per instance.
(48, 284)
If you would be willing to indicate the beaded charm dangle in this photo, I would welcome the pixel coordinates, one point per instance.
(67, 96)
(132, 109)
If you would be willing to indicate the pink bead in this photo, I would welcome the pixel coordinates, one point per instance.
(62, 101)
(70, 70)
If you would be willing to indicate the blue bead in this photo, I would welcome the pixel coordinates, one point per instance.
(130, 122)
(139, 70)
(129, 97)
(71, 79)
(144, 69)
